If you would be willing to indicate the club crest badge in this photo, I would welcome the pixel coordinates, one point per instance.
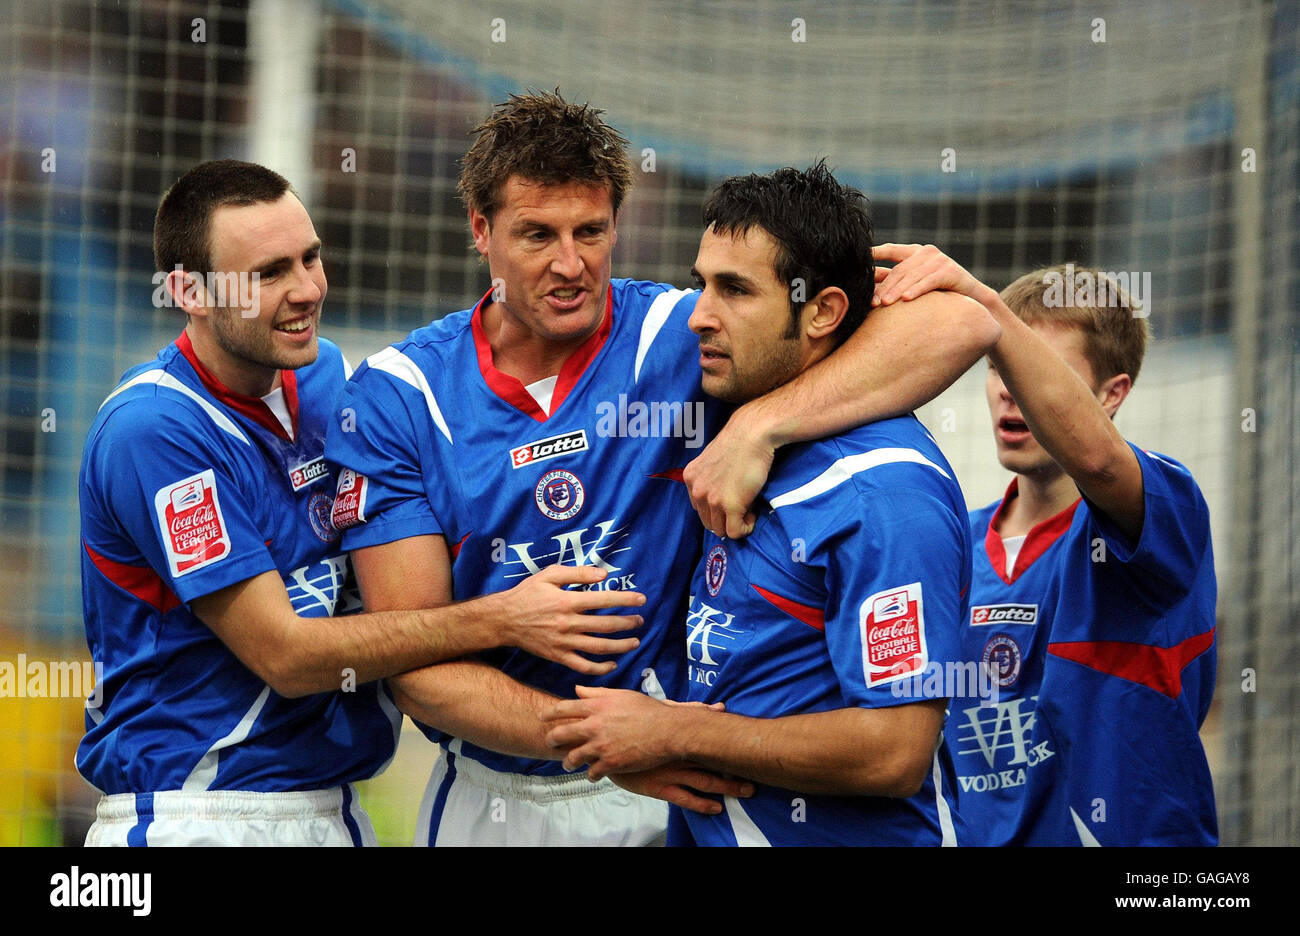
(715, 569)
(1002, 659)
(559, 494)
(319, 509)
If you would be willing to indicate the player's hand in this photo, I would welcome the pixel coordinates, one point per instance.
(918, 270)
(724, 480)
(681, 785)
(612, 731)
(548, 620)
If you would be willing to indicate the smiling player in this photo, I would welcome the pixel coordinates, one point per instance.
(236, 708)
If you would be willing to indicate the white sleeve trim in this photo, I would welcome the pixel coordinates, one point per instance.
(946, 828)
(655, 316)
(396, 364)
(163, 379)
(845, 468)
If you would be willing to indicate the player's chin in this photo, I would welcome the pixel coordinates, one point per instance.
(570, 326)
(724, 389)
(1023, 461)
(294, 358)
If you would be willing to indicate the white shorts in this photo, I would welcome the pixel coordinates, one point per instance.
(466, 803)
(232, 817)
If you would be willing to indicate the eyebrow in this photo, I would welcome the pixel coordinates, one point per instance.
(525, 224)
(727, 278)
(279, 261)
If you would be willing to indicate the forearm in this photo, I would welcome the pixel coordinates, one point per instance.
(902, 356)
(848, 751)
(480, 704)
(320, 652)
(299, 656)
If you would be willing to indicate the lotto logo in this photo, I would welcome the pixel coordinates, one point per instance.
(302, 475)
(892, 625)
(194, 531)
(1003, 614)
(542, 449)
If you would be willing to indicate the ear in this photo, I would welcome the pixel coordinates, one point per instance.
(187, 292)
(1112, 393)
(481, 228)
(823, 313)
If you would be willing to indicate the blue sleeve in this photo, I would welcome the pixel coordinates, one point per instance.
(179, 497)
(897, 575)
(376, 445)
(1175, 534)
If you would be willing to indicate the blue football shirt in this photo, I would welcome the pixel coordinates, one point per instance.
(187, 488)
(433, 439)
(850, 592)
(1105, 654)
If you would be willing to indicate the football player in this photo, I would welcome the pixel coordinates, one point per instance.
(829, 632)
(238, 706)
(1093, 593)
(551, 423)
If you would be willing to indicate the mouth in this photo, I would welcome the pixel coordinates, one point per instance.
(567, 299)
(300, 329)
(711, 356)
(1012, 431)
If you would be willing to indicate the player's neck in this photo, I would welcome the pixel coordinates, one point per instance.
(255, 380)
(520, 352)
(1040, 496)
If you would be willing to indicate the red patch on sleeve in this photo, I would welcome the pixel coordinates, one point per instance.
(893, 634)
(189, 515)
(349, 508)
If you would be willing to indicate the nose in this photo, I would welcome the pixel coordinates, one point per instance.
(306, 290)
(567, 262)
(702, 318)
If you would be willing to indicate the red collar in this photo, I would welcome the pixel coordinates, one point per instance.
(512, 390)
(253, 407)
(1037, 540)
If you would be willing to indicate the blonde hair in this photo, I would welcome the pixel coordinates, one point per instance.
(1115, 328)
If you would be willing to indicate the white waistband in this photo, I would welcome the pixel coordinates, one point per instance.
(225, 804)
(539, 789)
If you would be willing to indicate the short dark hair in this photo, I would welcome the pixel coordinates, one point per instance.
(542, 138)
(182, 228)
(821, 228)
